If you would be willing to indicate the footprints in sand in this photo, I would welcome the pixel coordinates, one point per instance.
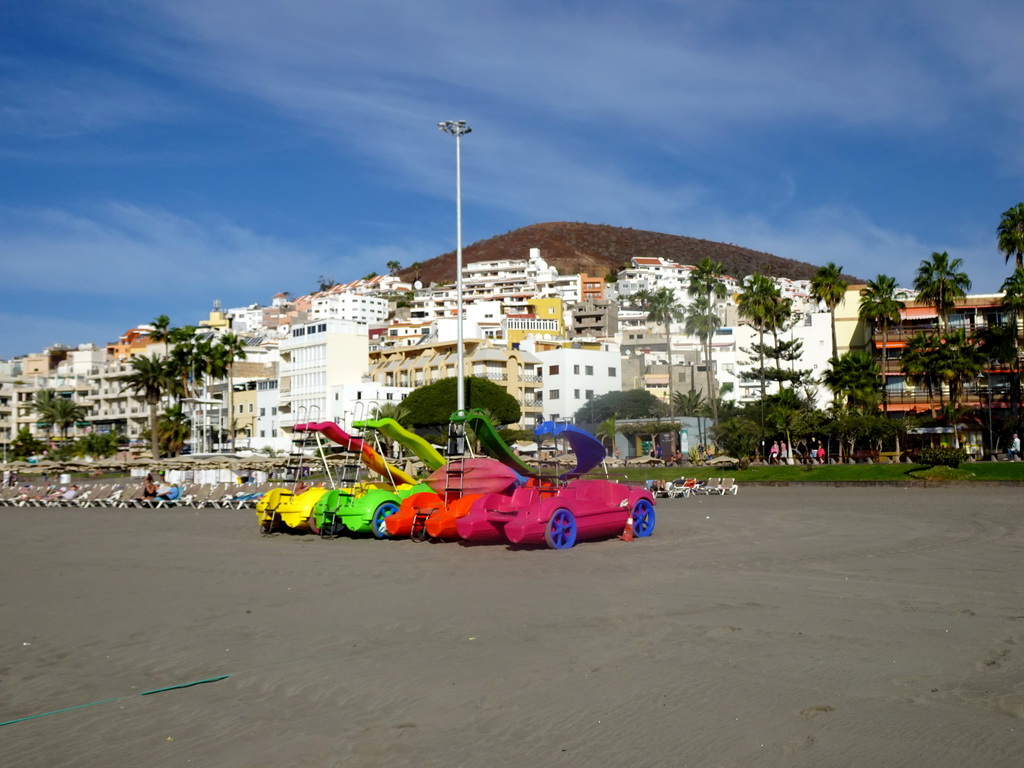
(818, 709)
(802, 743)
(986, 689)
(797, 744)
(993, 659)
(722, 631)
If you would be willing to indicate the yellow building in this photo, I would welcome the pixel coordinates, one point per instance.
(217, 318)
(545, 319)
(851, 331)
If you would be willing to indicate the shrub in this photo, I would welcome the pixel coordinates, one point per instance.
(942, 456)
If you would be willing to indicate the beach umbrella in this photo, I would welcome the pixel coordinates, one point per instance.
(15, 465)
(645, 460)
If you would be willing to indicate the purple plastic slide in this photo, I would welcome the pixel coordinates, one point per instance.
(588, 449)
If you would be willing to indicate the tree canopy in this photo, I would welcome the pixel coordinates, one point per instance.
(433, 404)
(631, 404)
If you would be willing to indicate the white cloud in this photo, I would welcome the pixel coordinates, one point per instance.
(119, 247)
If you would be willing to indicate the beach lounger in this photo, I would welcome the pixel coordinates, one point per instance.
(728, 486)
(684, 487)
(711, 486)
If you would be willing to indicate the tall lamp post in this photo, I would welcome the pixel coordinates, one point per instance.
(458, 129)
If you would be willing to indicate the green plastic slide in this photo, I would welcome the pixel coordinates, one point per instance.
(395, 431)
(492, 442)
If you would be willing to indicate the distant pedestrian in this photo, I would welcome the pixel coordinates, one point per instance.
(773, 454)
(1014, 449)
(783, 452)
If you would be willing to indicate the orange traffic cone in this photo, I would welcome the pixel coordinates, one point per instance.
(627, 532)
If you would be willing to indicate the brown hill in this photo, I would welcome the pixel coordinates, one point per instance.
(598, 249)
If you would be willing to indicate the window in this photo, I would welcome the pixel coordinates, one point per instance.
(263, 412)
(553, 370)
(552, 394)
(263, 433)
(590, 394)
(576, 369)
(590, 370)
(273, 412)
(612, 371)
(576, 394)
(251, 406)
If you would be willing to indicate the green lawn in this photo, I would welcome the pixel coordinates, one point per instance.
(829, 473)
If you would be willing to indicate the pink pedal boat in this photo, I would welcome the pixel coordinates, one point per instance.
(539, 513)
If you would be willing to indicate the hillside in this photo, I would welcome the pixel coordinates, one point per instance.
(598, 249)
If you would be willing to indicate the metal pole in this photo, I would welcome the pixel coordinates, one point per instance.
(457, 128)
(460, 356)
(991, 445)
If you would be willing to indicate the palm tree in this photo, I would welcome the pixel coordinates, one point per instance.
(854, 376)
(58, 412)
(1013, 304)
(183, 361)
(42, 403)
(150, 378)
(702, 319)
(691, 403)
(757, 305)
(879, 306)
(397, 411)
(662, 307)
(1011, 234)
(232, 348)
(918, 364)
(64, 413)
(958, 359)
(174, 429)
(829, 287)
(941, 283)
(1000, 343)
(394, 266)
(161, 328)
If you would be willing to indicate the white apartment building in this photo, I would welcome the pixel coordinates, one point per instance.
(573, 377)
(357, 402)
(315, 358)
(267, 432)
(359, 308)
(731, 360)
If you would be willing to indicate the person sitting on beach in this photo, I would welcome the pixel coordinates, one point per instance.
(70, 493)
(149, 489)
(168, 492)
(1014, 449)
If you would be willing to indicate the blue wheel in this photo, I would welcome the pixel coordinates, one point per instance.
(643, 518)
(377, 525)
(560, 532)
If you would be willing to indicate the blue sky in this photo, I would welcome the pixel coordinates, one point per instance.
(159, 154)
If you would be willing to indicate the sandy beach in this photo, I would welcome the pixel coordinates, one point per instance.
(798, 626)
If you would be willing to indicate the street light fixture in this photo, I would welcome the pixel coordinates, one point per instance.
(458, 129)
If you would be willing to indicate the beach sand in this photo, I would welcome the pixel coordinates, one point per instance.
(799, 626)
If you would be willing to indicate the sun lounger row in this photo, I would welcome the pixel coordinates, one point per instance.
(684, 487)
(222, 495)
